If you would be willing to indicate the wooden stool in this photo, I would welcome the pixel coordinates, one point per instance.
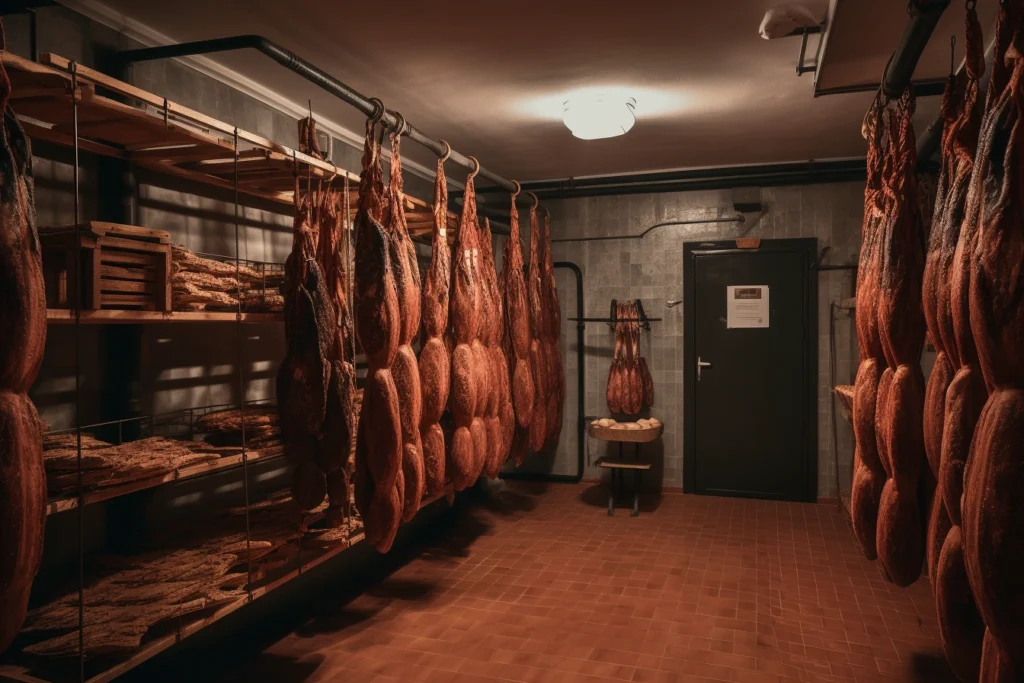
(620, 464)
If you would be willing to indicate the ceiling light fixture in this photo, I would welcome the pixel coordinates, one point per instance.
(599, 116)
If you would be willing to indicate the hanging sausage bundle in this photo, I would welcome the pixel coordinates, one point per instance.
(517, 336)
(316, 381)
(868, 473)
(23, 337)
(464, 322)
(552, 329)
(900, 534)
(405, 368)
(630, 385)
(378, 479)
(955, 392)
(993, 512)
(542, 381)
(500, 415)
(435, 361)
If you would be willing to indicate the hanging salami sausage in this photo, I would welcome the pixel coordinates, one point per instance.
(518, 335)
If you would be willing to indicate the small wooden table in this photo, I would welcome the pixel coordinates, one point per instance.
(623, 464)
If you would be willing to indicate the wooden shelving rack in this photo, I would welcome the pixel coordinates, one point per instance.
(118, 120)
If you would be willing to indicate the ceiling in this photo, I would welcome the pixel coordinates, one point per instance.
(490, 77)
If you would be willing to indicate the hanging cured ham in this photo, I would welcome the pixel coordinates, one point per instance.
(630, 385)
(405, 368)
(955, 392)
(23, 321)
(993, 513)
(868, 474)
(517, 335)
(899, 536)
(499, 416)
(464, 321)
(552, 329)
(542, 380)
(378, 478)
(435, 361)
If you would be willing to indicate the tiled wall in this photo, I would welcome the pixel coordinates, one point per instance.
(651, 269)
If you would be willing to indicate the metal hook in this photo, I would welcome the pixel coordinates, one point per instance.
(399, 127)
(447, 151)
(952, 54)
(536, 202)
(476, 168)
(517, 190)
(378, 110)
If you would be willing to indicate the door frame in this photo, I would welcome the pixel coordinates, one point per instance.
(806, 246)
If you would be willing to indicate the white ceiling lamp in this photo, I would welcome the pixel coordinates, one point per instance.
(599, 116)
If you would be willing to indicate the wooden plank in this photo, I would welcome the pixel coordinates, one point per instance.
(37, 132)
(131, 231)
(141, 302)
(131, 245)
(118, 272)
(623, 464)
(206, 179)
(133, 258)
(127, 286)
(101, 317)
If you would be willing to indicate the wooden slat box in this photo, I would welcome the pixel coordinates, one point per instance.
(122, 266)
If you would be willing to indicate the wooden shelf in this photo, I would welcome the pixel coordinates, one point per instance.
(64, 503)
(63, 316)
(844, 392)
(170, 138)
(18, 673)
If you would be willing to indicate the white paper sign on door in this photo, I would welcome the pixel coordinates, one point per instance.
(746, 306)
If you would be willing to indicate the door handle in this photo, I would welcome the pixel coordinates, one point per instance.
(701, 364)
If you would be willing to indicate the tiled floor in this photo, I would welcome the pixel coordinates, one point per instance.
(540, 585)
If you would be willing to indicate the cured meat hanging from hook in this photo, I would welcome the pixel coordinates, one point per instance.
(614, 390)
(435, 360)
(405, 367)
(553, 350)
(464, 320)
(868, 474)
(23, 321)
(538, 345)
(517, 335)
(500, 415)
(900, 532)
(993, 514)
(954, 394)
(378, 477)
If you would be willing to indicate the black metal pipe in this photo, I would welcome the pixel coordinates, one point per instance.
(311, 73)
(761, 175)
(924, 17)
(581, 419)
(696, 221)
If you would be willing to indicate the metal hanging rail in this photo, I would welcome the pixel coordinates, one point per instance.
(314, 75)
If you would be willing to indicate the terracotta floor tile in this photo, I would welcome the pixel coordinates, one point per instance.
(539, 586)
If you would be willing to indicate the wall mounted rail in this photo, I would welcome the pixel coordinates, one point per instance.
(311, 73)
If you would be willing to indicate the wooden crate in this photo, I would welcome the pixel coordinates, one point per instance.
(122, 266)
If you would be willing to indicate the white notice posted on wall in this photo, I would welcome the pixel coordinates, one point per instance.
(746, 306)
